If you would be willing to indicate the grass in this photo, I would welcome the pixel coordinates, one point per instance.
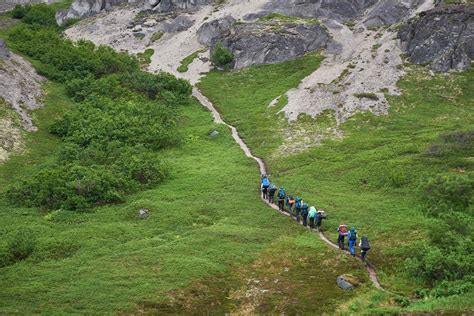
(206, 221)
(366, 95)
(250, 91)
(156, 36)
(280, 18)
(183, 67)
(145, 57)
(369, 178)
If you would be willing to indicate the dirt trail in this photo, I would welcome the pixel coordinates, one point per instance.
(263, 170)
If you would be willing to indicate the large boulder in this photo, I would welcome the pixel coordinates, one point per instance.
(85, 8)
(209, 31)
(387, 12)
(258, 43)
(442, 37)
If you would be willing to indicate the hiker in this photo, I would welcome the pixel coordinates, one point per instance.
(271, 193)
(265, 185)
(342, 230)
(364, 247)
(319, 218)
(298, 204)
(304, 212)
(352, 236)
(312, 216)
(281, 199)
(290, 202)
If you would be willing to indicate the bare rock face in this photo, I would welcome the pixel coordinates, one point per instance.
(173, 5)
(4, 52)
(258, 43)
(442, 37)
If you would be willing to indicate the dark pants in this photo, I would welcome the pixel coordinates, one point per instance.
(265, 192)
(304, 221)
(290, 208)
(271, 197)
(362, 254)
(281, 205)
(297, 213)
(311, 222)
(318, 223)
(340, 241)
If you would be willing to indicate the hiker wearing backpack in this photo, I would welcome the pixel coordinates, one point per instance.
(364, 247)
(290, 202)
(271, 193)
(298, 204)
(312, 216)
(265, 185)
(319, 218)
(281, 199)
(304, 213)
(342, 232)
(352, 236)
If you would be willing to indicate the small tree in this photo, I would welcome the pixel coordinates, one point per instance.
(221, 56)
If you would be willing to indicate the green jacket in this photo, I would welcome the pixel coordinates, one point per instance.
(312, 212)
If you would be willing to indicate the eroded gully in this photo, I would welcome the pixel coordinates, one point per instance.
(263, 170)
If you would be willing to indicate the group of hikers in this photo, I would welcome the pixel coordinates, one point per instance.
(310, 215)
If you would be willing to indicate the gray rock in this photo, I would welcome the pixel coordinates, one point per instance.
(442, 38)
(85, 8)
(386, 12)
(214, 134)
(4, 51)
(260, 43)
(217, 28)
(178, 24)
(137, 28)
(143, 213)
(174, 5)
(334, 9)
(343, 284)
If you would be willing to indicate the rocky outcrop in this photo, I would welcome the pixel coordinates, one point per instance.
(333, 9)
(257, 43)
(214, 29)
(443, 38)
(85, 8)
(173, 5)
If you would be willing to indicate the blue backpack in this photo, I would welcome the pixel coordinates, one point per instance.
(281, 193)
(265, 182)
(298, 202)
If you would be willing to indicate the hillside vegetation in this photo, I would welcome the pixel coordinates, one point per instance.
(404, 179)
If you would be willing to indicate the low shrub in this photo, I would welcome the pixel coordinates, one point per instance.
(19, 11)
(221, 56)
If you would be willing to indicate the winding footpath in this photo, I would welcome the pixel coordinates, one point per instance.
(263, 170)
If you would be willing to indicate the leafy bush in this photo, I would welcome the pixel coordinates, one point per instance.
(111, 137)
(221, 56)
(449, 193)
(40, 15)
(20, 11)
(21, 245)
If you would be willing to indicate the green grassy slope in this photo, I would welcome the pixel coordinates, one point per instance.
(206, 220)
(369, 178)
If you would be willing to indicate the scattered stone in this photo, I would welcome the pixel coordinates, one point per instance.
(344, 284)
(150, 23)
(214, 134)
(137, 28)
(143, 213)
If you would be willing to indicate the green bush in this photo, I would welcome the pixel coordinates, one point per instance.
(21, 245)
(19, 11)
(40, 15)
(452, 192)
(221, 56)
(111, 138)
